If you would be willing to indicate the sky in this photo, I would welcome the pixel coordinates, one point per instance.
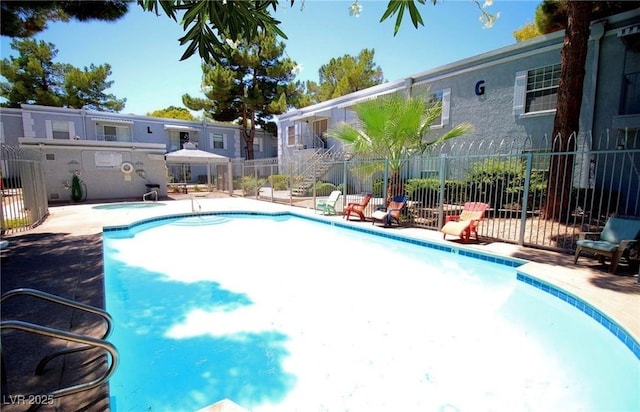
(144, 52)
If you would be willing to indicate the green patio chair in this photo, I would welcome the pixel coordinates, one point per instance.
(616, 238)
(328, 206)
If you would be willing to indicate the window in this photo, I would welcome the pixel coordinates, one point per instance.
(320, 127)
(113, 133)
(444, 96)
(60, 130)
(319, 130)
(291, 135)
(257, 144)
(216, 141)
(631, 94)
(536, 90)
(178, 139)
(542, 88)
(630, 37)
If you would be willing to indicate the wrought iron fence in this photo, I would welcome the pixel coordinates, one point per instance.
(601, 178)
(23, 192)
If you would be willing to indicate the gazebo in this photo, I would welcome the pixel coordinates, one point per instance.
(188, 156)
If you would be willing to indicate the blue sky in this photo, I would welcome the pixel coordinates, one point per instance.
(144, 52)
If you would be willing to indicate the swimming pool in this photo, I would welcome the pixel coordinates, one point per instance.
(284, 314)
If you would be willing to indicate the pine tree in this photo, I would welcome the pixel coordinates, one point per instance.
(34, 78)
(248, 87)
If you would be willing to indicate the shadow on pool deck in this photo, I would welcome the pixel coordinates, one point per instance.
(69, 263)
(70, 267)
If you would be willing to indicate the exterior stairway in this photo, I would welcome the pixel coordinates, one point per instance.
(312, 169)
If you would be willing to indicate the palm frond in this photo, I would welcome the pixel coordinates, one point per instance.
(394, 127)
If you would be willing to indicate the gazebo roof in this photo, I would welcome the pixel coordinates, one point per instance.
(192, 155)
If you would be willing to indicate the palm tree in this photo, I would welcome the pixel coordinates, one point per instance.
(394, 127)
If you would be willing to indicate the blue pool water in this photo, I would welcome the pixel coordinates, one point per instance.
(286, 314)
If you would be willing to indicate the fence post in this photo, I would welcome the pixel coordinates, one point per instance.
(442, 174)
(2, 223)
(255, 178)
(385, 181)
(315, 185)
(272, 184)
(344, 183)
(525, 199)
(291, 183)
(230, 177)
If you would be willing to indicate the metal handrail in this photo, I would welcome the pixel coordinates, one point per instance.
(72, 337)
(62, 301)
(153, 192)
(315, 159)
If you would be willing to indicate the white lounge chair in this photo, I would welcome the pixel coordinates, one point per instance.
(329, 206)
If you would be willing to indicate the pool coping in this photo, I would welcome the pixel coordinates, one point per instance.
(625, 336)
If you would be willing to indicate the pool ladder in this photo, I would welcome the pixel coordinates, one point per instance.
(87, 342)
(194, 202)
(153, 193)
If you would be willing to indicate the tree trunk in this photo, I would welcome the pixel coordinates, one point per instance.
(247, 137)
(248, 130)
(395, 187)
(567, 120)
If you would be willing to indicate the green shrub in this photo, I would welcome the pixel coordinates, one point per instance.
(504, 180)
(377, 187)
(349, 189)
(425, 191)
(17, 222)
(323, 188)
(279, 182)
(455, 192)
(250, 184)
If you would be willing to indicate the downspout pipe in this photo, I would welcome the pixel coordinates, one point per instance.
(408, 85)
(589, 103)
(597, 33)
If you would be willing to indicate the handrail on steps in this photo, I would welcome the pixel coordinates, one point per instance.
(315, 159)
(88, 341)
(62, 301)
(72, 337)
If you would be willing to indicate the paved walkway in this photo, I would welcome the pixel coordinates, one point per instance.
(63, 256)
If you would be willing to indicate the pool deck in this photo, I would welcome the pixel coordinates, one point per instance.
(63, 256)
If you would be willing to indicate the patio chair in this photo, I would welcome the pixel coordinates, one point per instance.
(615, 240)
(357, 208)
(388, 214)
(328, 206)
(466, 223)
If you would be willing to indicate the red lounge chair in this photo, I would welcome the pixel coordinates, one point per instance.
(357, 208)
(390, 213)
(465, 223)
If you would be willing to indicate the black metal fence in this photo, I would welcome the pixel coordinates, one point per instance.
(602, 178)
(23, 193)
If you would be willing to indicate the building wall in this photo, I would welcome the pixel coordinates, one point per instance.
(494, 113)
(11, 121)
(99, 166)
(33, 121)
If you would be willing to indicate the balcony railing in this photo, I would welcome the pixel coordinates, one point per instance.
(112, 138)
